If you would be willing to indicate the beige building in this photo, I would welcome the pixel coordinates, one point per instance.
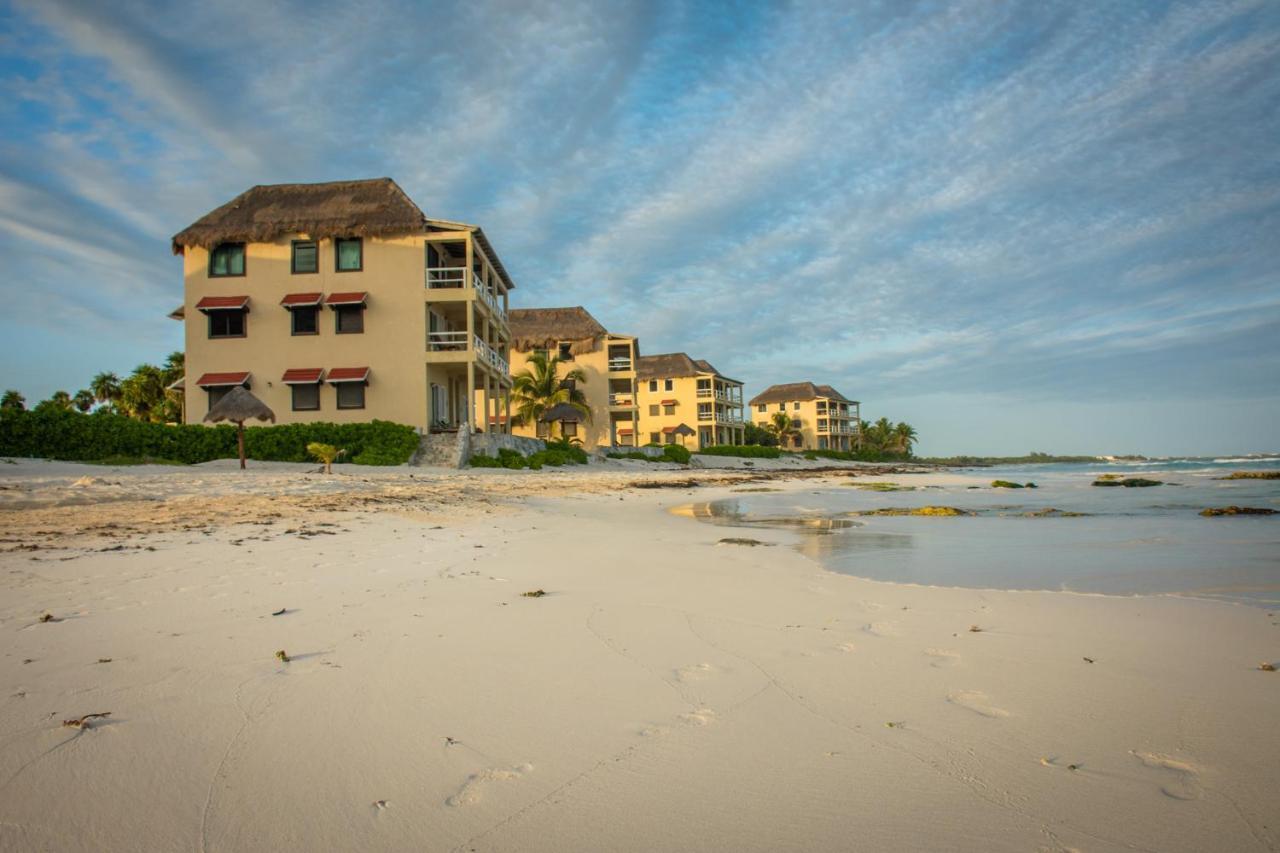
(607, 359)
(343, 302)
(687, 401)
(825, 418)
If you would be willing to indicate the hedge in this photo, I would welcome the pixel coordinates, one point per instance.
(750, 451)
(557, 454)
(71, 436)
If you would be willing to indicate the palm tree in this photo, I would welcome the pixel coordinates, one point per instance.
(106, 388)
(60, 400)
(539, 387)
(13, 401)
(879, 436)
(784, 428)
(142, 395)
(83, 400)
(904, 435)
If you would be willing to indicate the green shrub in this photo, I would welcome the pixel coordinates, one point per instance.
(676, 453)
(750, 451)
(484, 460)
(512, 458)
(575, 454)
(71, 436)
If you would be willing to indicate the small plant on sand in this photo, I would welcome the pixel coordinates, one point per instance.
(85, 721)
(47, 617)
(974, 629)
(325, 453)
(1267, 666)
(282, 656)
(534, 593)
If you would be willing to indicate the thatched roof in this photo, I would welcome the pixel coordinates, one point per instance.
(239, 406)
(794, 391)
(544, 328)
(375, 207)
(673, 365)
(563, 412)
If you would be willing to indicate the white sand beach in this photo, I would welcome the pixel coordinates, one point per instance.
(668, 692)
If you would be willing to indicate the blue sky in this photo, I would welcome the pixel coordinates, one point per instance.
(1026, 226)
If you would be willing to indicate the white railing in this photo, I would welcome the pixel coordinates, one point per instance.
(446, 341)
(622, 400)
(490, 356)
(618, 364)
(446, 277)
(705, 415)
(728, 419)
(704, 392)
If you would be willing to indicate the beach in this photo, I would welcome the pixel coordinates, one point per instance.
(668, 691)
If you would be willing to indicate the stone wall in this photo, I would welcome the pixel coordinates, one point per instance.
(490, 443)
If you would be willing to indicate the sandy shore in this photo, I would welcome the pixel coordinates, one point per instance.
(667, 693)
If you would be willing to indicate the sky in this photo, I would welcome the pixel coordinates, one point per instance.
(1026, 226)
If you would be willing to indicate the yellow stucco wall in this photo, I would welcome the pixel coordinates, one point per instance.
(807, 412)
(392, 345)
(655, 416)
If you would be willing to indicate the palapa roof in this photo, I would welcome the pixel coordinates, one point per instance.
(374, 207)
(794, 391)
(239, 406)
(672, 365)
(543, 328)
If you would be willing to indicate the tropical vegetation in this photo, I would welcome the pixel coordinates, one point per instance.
(540, 386)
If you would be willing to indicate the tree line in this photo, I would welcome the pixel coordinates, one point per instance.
(884, 436)
(144, 394)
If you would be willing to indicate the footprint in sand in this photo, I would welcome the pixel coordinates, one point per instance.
(978, 702)
(700, 717)
(942, 657)
(472, 790)
(694, 672)
(846, 647)
(1178, 779)
(881, 629)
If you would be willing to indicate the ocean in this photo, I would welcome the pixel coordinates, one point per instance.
(1127, 541)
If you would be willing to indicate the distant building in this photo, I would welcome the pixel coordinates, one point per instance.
(343, 302)
(677, 391)
(825, 418)
(608, 360)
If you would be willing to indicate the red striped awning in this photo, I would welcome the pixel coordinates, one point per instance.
(626, 432)
(669, 402)
(222, 380)
(348, 374)
(302, 375)
(301, 300)
(223, 303)
(353, 298)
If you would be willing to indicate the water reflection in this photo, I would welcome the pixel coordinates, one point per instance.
(729, 513)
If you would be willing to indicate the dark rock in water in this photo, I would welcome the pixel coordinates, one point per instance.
(1236, 510)
(1252, 475)
(1128, 482)
(736, 540)
(1050, 512)
(1005, 484)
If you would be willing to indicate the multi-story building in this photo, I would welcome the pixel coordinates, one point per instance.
(343, 302)
(823, 417)
(678, 391)
(607, 359)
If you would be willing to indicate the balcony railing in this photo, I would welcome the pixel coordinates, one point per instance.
(622, 400)
(456, 278)
(723, 418)
(446, 341)
(619, 364)
(705, 392)
(488, 354)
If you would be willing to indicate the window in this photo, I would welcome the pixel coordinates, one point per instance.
(761, 407)
(655, 438)
(796, 406)
(653, 410)
(306, 257)
(348, 254)
(227, 324)
(350, 395)
(226, 259)
(653, 385)
(305, 320)
(568, 429)
(704, 411)
(216, 393)
(348, 319)
(671, 438)
(782, 407)
(565, 351)
(668, 385)
(306, 398)
(822, 443)
(668, 410)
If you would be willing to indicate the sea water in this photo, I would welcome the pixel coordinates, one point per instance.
(1127, 540)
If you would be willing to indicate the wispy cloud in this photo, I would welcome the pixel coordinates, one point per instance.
(1041, 201)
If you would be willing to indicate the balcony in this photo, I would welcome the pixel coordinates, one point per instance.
(728, 419)
(489, 355)
(460, 278)
(705, 392)
(626, 400)
(446, 341)
(619, 364)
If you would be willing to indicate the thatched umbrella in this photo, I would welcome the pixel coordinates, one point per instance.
(239, 406)
(684, 431)
(562, 413)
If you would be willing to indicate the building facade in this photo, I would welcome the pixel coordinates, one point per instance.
(343, 302)
(687, 401)
(822, 417)
(607, 359)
